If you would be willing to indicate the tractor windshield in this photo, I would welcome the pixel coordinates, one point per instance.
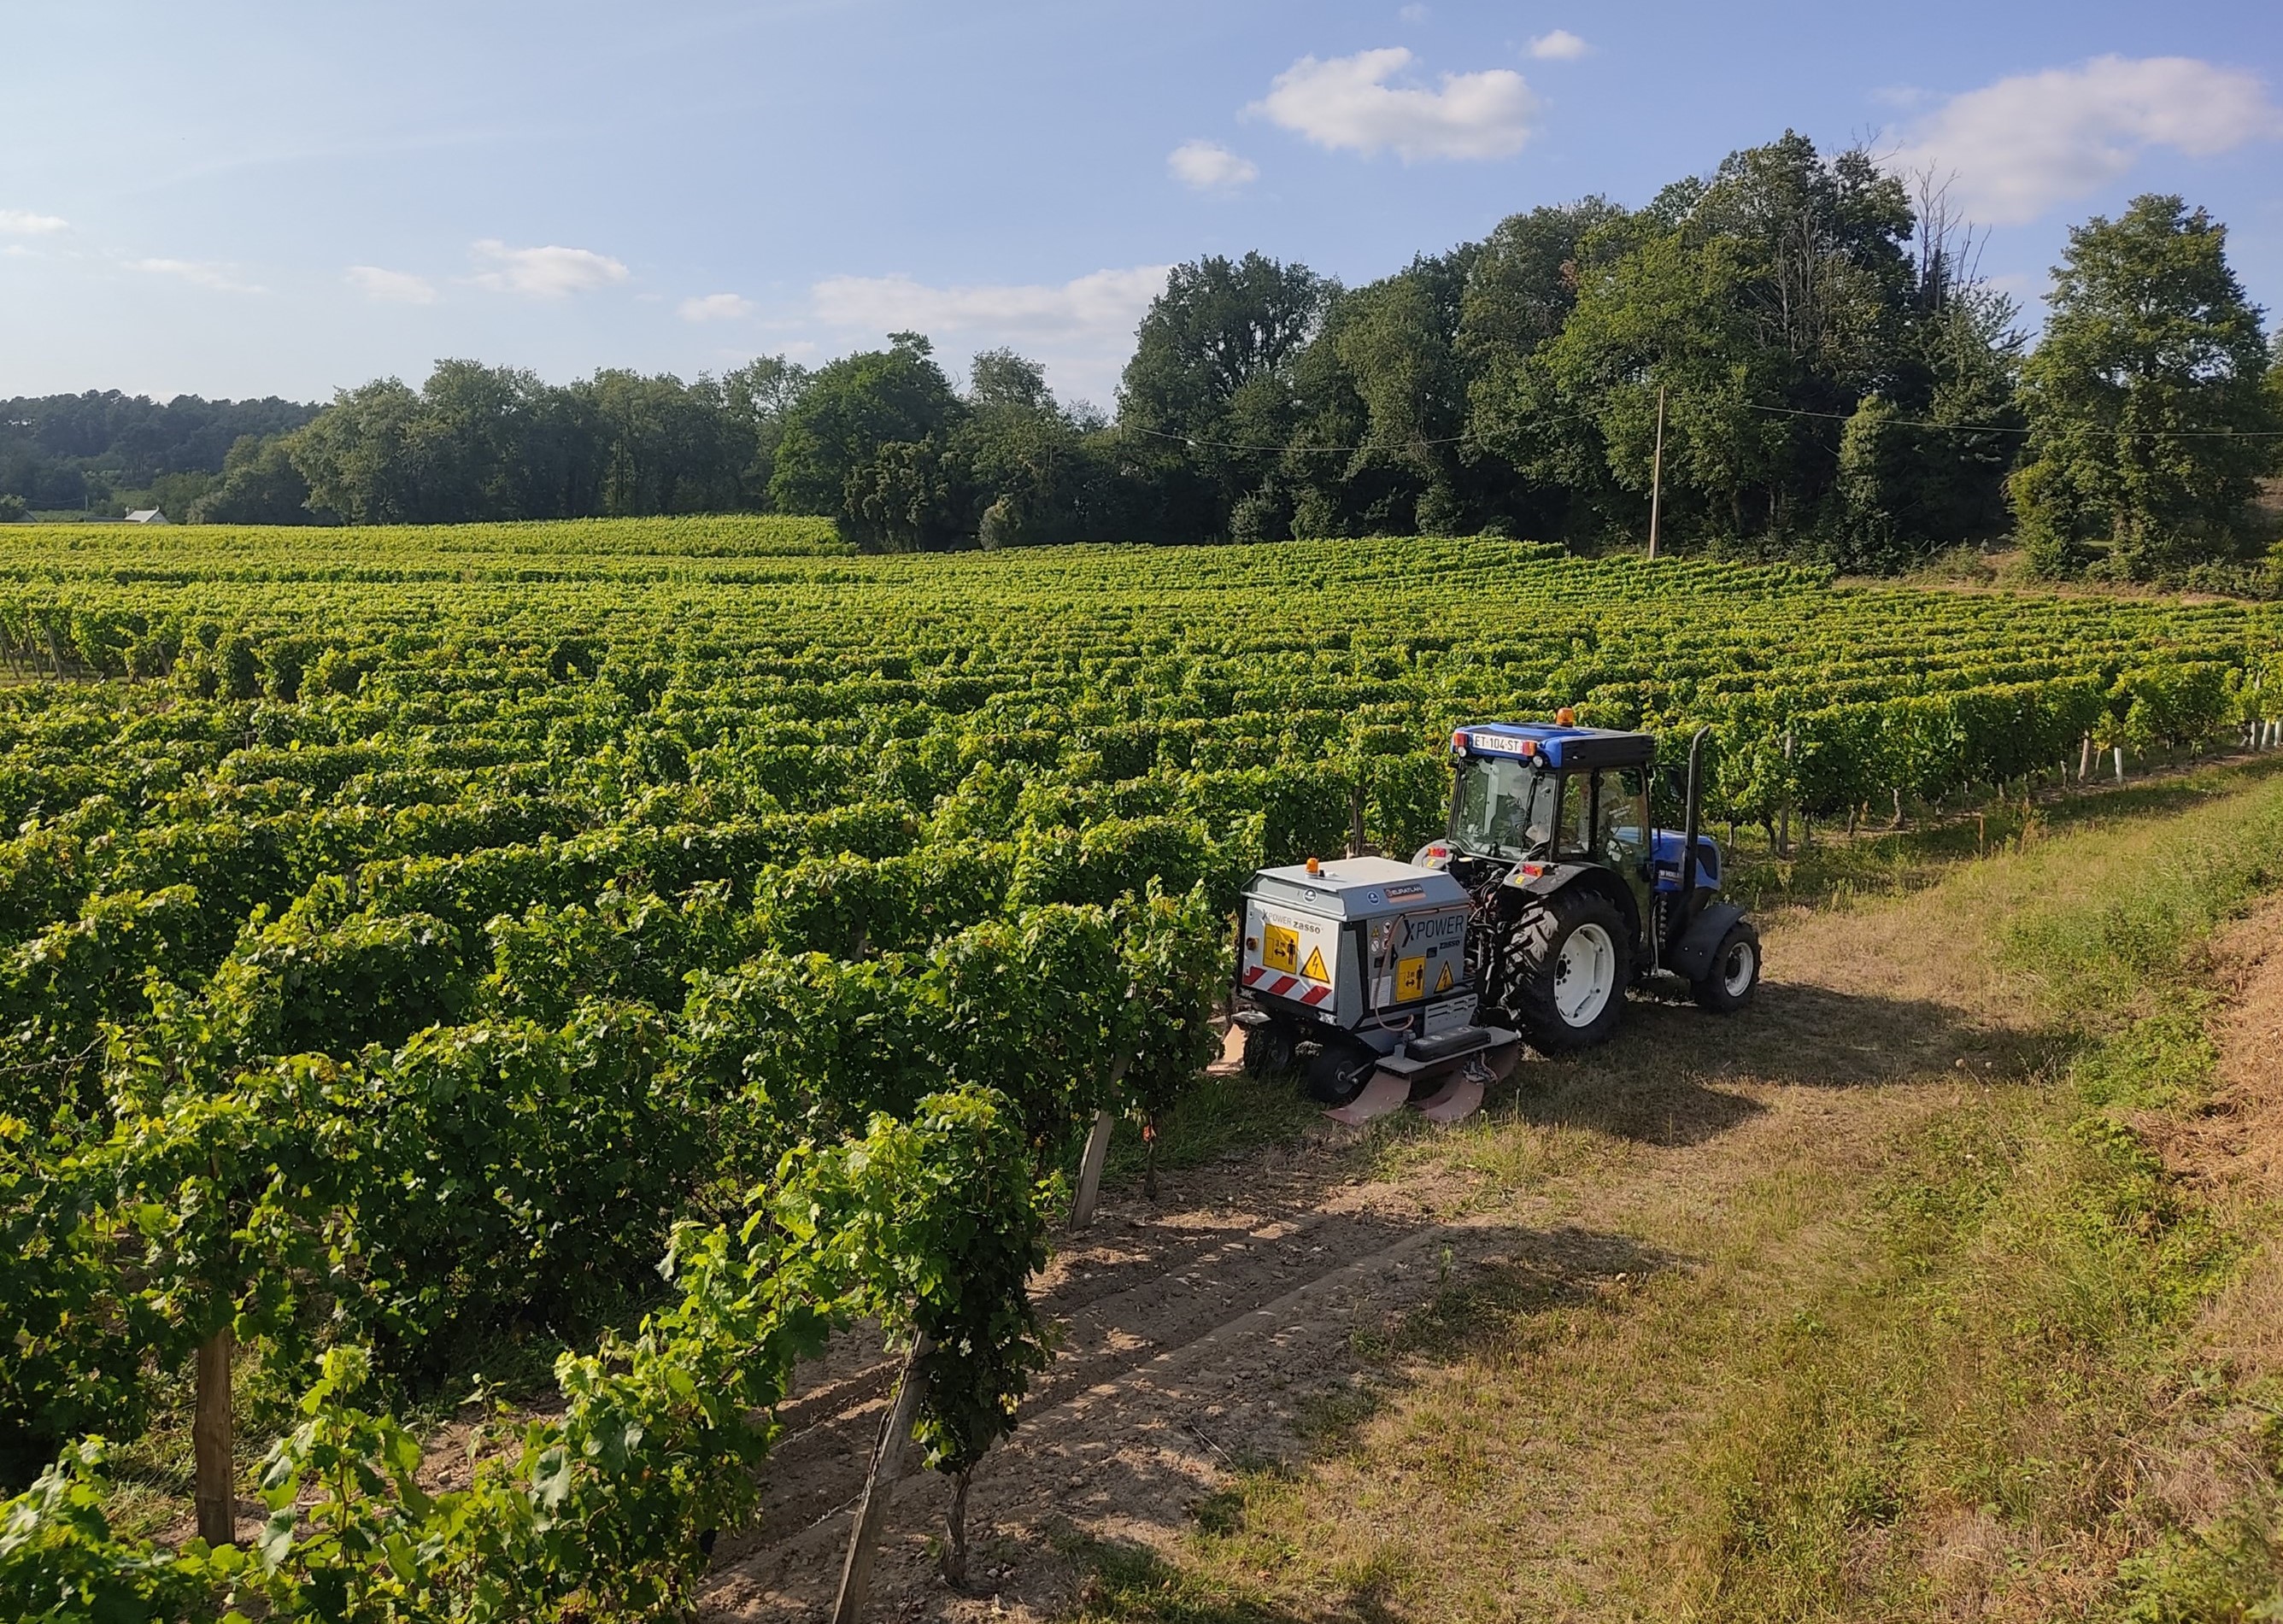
(1501, 808)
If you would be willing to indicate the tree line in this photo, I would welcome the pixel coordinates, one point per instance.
(1797, 349)
(104, 451)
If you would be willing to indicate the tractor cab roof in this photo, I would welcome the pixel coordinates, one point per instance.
(1554, 746)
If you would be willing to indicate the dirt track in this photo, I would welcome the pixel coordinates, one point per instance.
(1194, 1337)
(1224, 1323)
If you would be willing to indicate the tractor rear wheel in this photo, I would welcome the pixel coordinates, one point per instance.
(1727, 986)
(1267, 1050)
(1567, 966)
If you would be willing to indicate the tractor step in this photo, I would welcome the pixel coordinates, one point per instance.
(1432, 1055)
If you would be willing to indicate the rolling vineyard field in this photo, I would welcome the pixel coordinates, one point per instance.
(408, 937)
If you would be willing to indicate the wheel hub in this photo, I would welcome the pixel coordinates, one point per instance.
(1585, 975)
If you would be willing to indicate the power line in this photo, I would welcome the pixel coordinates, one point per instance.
(2002, 428)
(1194, 444)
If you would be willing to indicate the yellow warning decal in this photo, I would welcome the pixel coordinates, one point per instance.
(1443, 982)
(1410, 978)
(1314, 968)
(1280, 949)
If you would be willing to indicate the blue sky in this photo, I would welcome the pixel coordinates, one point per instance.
(239, 200)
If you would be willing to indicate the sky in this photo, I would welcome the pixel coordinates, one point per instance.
(238, 199)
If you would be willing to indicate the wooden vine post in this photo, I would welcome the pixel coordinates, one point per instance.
(214, 1477)
(1097, 1154)
(1783, 843)
(880, 1485)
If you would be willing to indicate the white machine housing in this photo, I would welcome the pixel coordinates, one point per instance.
(1373, 946)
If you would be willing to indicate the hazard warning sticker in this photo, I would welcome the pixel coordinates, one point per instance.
(1314, 968)
(1280, 949)
(1443, 982)
(1410, 978)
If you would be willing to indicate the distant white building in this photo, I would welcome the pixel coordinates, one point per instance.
(146, 516)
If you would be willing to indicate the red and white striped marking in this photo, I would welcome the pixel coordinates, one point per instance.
(1282, 985)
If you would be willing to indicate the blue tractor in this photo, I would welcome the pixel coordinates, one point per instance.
(1549, 897)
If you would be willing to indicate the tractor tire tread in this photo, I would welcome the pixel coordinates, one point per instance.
(1533, 949)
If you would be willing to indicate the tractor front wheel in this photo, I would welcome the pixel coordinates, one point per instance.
(1727, 986)
(1568, 969)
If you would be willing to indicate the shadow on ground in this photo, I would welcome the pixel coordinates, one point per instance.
(1671, 1075)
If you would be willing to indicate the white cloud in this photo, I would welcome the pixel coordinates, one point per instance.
(551, 272)
(716, 307)
(1413, 13)
(1559, 46)
(1081, 330)
(1105, 301)
(201, 273)
(391, 287)
(1207, 166)
(1347, 102)
(2020, 286)
(2025, 144)
(23, 222)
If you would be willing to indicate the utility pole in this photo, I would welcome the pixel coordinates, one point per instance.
(1656, 473)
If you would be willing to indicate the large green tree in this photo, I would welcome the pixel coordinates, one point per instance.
(2147, 401)
(1383, 397)
(669, 447)
(260, 486)
(851, 411)
(758, 396)
(1750, 300)
(369, 456)
(1034, 477)
(1209, 388)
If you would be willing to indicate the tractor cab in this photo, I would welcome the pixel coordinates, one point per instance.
(1535, 807)
(1528, 794)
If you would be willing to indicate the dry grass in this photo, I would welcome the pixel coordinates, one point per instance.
(1907, 1338)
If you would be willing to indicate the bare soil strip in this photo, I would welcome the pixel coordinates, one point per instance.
(2237, 1144)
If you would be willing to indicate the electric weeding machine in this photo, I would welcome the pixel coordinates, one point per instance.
(1551, 894)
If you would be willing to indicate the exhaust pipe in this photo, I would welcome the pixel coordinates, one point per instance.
(1688, 837)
